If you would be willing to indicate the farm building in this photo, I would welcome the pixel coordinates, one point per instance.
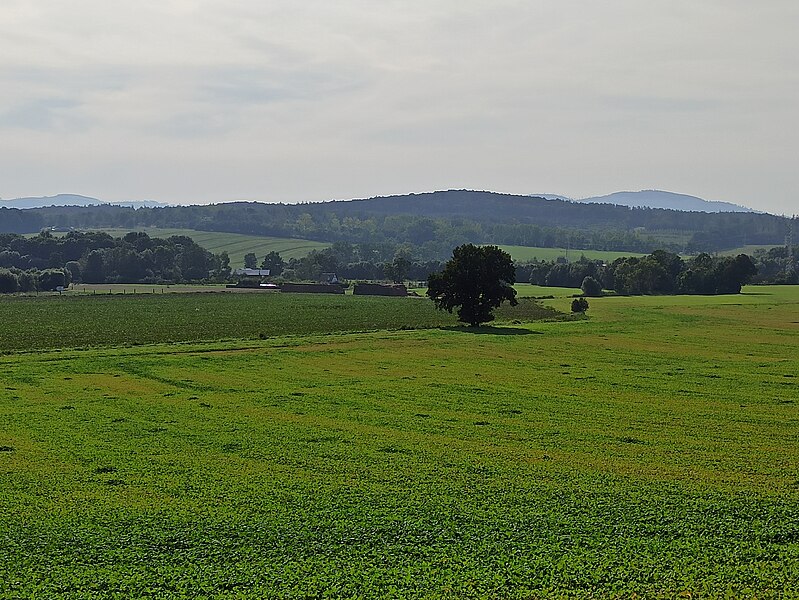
(313, 288)
(379, 289)
(250, 278)
(251, 272)
(329, 278)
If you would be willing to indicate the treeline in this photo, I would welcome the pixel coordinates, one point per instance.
(661, 272)
(437, 222)
(777, 265)
(17, 280)
(354, 262)
(45, 261)
(13, 220)
(96, 257)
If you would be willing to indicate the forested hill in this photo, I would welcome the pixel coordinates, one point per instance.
(494, 207)
(438, 218)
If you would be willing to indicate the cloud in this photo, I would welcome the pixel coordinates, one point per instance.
(578, 97)
(42, 114)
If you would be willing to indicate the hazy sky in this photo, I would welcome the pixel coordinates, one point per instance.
(215, 100)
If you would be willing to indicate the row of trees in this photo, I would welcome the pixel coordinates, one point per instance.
(658, 273)
(778, 265)
(349, 261)
(16, 280)
(661, 272)
(99, 258)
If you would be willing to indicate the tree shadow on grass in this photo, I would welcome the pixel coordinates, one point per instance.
(491, 330)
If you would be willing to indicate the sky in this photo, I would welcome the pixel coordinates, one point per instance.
(197, 101)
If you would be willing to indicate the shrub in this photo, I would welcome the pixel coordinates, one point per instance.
(579, 305)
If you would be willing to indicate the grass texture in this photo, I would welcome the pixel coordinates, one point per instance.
(649, 450)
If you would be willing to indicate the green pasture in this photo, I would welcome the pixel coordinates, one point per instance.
(749, 249)
(651, 450)
(681, 238)
(528, 253)
(235, 244)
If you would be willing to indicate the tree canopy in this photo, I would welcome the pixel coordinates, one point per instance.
(476, 280)
(96, 257)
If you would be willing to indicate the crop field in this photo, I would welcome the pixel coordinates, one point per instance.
(235, 244)
(528, 253)
(651, 450)
(75, 321)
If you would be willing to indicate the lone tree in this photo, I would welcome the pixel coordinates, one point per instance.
(477, 279)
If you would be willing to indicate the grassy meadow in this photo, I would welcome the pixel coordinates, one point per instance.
(529, 253)
(650, 450)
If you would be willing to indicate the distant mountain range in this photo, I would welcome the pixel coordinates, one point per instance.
(644, 198)
(73, 200)
(657, 199)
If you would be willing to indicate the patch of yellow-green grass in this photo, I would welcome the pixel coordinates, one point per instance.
(529, 253)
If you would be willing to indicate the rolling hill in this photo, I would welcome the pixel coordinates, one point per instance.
(667, 200)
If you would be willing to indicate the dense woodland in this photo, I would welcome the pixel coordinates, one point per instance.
(45, 261)
(658, 273)
(435, 223)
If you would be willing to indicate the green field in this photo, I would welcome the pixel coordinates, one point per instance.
(235, 244)
(651, 450)
(750, 249)
(77, 321)
(527, 253)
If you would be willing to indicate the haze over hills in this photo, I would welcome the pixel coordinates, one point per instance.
(669, 200)
(73, 200)
(643, 198)
(435, 222)
(657, 199)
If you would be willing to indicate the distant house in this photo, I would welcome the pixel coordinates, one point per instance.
(329, 278)
(251, 272)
